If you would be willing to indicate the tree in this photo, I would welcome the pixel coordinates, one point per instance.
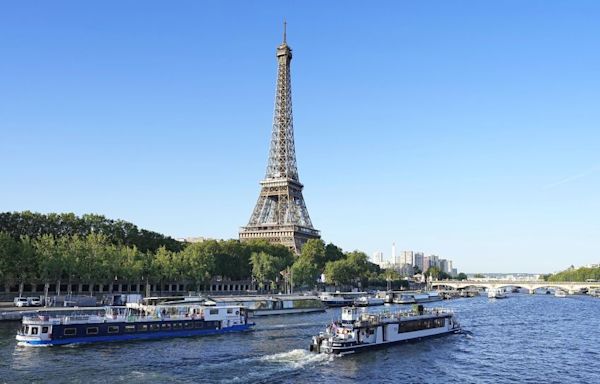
(461, 276)
(9, 256)
(164, 265)
(26, 263)
(433, 272)
(199, 265)
(314, 252)
(390, 276)
(305, 272)
(339, 272)
(265, 267)
(333, 253)
(51, 260)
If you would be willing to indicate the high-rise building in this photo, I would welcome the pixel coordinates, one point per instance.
(280, 215)
(444, 266)
(419, 260)
(378, 257)
(394, 259)
(406, 257)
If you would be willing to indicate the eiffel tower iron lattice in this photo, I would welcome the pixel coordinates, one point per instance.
(280, 215)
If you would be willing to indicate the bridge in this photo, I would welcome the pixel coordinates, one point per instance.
(567, 286)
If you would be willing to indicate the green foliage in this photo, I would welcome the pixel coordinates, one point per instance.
(353, 268)
(266, 267)
(10, 252)
(333, 253)
(339, 272)
(307, 268)
(305, 272)
(196, 264)
(314, 252)
(575, 274)
(479, 276)
(53, 248)
(461, 276)
(433, 273)
(34, 225)
(391, 275)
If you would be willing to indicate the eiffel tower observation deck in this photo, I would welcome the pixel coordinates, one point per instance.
(280, 215)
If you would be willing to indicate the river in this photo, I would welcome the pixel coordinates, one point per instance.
(521, 339)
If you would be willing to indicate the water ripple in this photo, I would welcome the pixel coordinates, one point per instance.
(523, 339)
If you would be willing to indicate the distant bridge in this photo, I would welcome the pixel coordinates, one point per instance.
(567, 286)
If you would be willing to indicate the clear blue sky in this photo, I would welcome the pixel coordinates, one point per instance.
(467, 129)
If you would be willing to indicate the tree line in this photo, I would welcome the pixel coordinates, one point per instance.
(63, 248)
(575, 274)
(34, 225)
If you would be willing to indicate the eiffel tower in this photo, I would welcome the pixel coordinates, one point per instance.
(280, 215)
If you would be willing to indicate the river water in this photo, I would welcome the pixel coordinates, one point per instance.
(521, 339)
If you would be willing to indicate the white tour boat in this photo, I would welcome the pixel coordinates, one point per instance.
(408, 297)
(497, 294)
(358, 331)
(340, 299)
(272, 305)
(367, 301)
(560, 293)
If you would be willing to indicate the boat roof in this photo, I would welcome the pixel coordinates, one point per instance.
(345, 293)
(229, 299)
(75, 309)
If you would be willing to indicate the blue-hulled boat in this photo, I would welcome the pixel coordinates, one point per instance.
(134, 322)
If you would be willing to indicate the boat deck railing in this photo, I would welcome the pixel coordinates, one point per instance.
(378, 317)
(73, 319)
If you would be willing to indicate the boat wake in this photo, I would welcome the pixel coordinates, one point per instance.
(284, 326)
(297, 358)
(281, 365)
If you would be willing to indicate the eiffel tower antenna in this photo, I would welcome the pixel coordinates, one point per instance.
(280, 215)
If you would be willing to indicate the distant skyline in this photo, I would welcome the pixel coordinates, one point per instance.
(469, 130)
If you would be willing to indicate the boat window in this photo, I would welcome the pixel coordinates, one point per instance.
(214, 311)
(417, 325)
(113, 329)
(70, 331)
(44, 329)
(142, 328)
(199, 324)
(91, 331)
(26, 329)
(229, 310)
(34, 330)
(166, 326)
(154, 327)
(438, 323)
(177, 326)
(188, 325)
(130, 328)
